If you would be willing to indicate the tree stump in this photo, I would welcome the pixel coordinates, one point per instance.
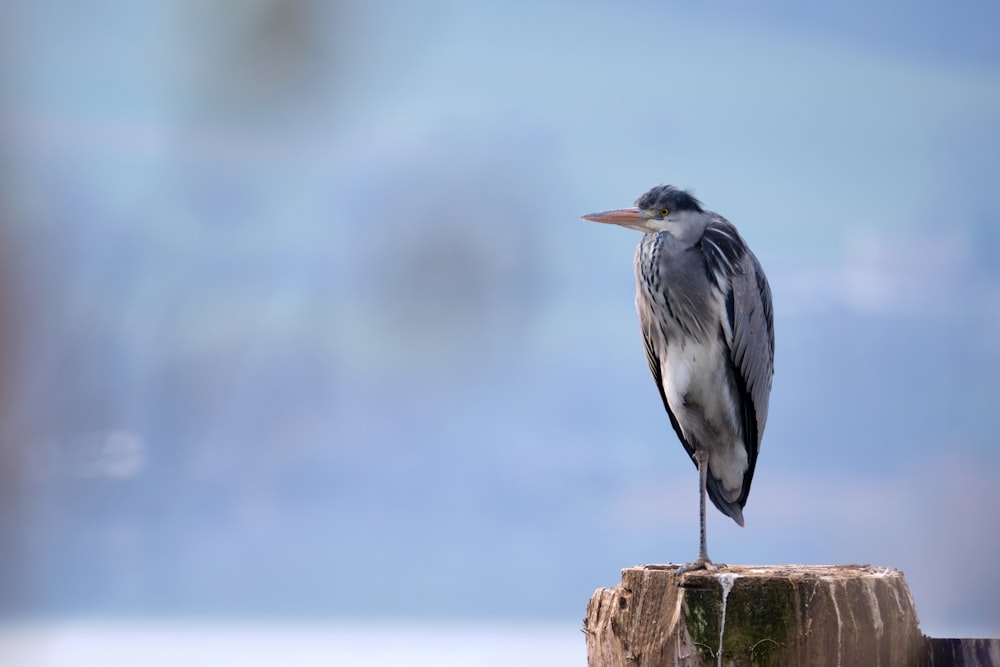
(768, 615)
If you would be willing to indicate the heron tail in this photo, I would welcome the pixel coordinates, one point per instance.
(731, 508)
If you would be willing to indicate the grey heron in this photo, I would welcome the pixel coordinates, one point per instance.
(705, 312)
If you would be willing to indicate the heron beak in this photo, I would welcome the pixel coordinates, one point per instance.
(627, 217)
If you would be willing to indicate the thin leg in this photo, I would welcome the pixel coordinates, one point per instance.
(703, 562)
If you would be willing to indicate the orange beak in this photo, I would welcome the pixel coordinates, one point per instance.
(629, 217)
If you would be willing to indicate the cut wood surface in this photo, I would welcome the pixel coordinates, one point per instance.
(755, 615)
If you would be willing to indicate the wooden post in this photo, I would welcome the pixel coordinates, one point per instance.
(768, 615)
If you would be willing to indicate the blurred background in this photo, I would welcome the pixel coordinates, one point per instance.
(299, 322)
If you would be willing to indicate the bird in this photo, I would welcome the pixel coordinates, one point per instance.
(706, 317)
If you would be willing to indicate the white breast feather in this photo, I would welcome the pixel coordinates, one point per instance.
(688, 370)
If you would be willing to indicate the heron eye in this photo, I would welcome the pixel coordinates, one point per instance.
(664, 212)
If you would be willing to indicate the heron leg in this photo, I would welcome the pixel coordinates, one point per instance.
(703, 562)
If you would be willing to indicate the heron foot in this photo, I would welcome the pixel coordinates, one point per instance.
(700, 564)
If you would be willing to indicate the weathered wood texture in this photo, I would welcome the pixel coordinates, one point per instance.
(768, 615)
(966, 652)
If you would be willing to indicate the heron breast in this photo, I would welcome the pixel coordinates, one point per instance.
(698, 389)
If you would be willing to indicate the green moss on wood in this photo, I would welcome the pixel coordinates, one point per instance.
(702, 614)
(758, 620)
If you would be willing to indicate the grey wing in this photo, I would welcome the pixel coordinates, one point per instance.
(750, 335)
(752, 347)
(748, 331)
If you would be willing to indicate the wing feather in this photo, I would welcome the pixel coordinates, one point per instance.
(752, 324)
(750, 335)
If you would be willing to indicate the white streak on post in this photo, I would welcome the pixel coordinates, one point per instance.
(726, 581)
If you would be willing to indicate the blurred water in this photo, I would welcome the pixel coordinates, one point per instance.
(298, 317)
(82, 644)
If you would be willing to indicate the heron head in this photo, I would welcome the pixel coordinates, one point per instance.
(664, 208)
